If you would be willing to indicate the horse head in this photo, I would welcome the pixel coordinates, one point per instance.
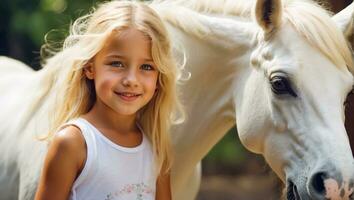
(291, 108)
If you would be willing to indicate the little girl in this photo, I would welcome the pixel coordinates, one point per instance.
(116, 99)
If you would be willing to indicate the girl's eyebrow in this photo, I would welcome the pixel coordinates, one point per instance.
(115, 55)
(148, 60)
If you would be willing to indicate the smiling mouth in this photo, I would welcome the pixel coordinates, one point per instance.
(127, 96)
(292, 192)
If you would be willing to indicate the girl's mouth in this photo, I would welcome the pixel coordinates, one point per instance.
(127, 96)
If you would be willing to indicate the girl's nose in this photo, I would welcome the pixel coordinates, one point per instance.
(130, 80)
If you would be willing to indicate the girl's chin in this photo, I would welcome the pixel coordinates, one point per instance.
(126, 112)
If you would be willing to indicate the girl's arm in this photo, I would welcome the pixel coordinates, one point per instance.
(65, 159)
(163, 187)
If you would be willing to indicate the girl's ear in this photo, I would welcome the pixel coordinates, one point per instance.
(157, 88)
(89, 71)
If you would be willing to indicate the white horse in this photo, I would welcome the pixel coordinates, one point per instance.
(282, 78)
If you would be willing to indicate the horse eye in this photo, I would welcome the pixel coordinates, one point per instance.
(281, 86)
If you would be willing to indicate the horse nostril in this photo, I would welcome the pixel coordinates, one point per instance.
(317, 183)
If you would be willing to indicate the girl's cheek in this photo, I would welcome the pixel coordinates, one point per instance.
(105, 83)
(150, 79)
(153, 83)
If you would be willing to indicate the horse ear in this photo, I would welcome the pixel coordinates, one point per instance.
(268, 14)
(345, 21)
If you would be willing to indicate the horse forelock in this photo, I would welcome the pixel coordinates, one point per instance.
(316, 26)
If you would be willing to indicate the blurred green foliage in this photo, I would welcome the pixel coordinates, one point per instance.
(229, 151)
(24, 25)
(230, 157)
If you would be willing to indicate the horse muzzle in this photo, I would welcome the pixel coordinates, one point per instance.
(321, 185)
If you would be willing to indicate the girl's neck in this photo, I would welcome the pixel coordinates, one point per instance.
(106, 118)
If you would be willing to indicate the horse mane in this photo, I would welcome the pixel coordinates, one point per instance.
(309, 19)
(241, 8)
(316, 25)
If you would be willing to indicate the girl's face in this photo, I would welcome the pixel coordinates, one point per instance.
(124, 73)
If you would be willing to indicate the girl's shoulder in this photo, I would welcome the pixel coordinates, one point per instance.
(70, 137)
(70, 142)
(63, 163)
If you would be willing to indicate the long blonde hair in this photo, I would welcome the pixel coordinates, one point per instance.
(74, 92)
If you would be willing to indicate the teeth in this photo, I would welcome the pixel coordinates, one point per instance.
(129, 94)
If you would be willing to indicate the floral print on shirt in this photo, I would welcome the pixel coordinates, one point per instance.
(138, 189)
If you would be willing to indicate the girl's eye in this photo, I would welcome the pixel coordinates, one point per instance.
(147, 67)
(116, 64)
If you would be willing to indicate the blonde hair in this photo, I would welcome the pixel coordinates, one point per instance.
(75, 93)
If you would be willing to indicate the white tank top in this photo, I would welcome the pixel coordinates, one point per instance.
(113, 172)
